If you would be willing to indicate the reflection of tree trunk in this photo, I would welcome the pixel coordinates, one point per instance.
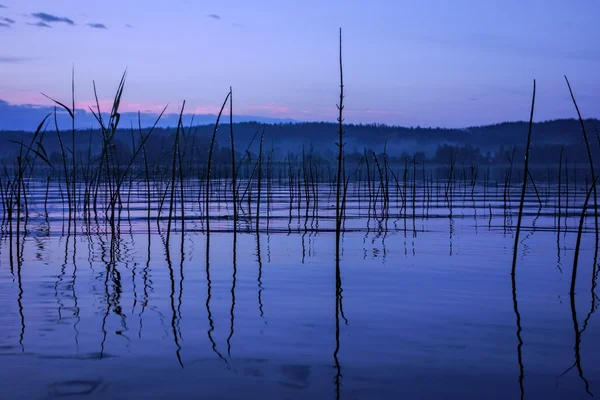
(233, 281)
(74, 294)
(577, 346)
(20, 296)
(106, 295)
(112, 301)
(572, 293)
(520, 345)
(173, 309)
(211, 323)
(593, 288)
(338, 374)
(260, 287)
(145, 278)
(181, 278)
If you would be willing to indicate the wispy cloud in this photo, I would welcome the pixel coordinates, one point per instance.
(49, 18)
(106, 104)
(3, 25)
(128, 26)
(270, 108)
(97, 26)
(10, 21)
(3, 6)
(214, 16)
(12, 60)
(237, 25)
(41, 25)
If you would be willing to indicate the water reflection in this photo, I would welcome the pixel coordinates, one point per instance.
(519, 338)
(259, 277)
(339, 311)
(174, 314)
(73, 291)
(233, 281)
(577, 347)
(147, 282)
(20, 296)
(384, 328)
(211, 323)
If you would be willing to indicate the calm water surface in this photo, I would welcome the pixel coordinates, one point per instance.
(427, 310)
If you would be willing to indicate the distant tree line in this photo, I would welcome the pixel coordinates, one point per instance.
(492, 144)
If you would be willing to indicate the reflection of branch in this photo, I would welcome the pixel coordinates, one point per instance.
(181, 278)
(75, 294)
(341, 298)
(20, 297)
(146, 281)
(338, 312)
(233, 280)
(211, 323)
(260, 287)
(572, 294)
(593, 289)
(303, 247)
(173, 310)
(106, 295)
(577, 346)
(520, 345)
(59, 280)
(338, 374)
(559, 262)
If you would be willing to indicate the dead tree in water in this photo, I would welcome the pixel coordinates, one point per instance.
(340, 144)
(208, 164)
(524, 188)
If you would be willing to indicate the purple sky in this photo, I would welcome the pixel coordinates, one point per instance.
(430, 63)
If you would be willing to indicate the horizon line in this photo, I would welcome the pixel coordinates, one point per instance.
(290, 121)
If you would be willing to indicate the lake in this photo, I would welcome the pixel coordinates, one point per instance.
(423, 306)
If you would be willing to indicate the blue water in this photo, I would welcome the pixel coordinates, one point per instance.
(423, 314)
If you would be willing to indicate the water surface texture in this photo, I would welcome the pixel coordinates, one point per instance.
(421, 305)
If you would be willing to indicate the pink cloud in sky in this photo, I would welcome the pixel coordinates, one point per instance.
(207, 110)
(124, 106)
(351, 114)
(35, 98)
(172, 108)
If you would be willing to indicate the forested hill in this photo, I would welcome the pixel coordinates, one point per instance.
(487, 141)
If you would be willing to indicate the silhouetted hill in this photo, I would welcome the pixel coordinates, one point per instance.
(478, 143)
